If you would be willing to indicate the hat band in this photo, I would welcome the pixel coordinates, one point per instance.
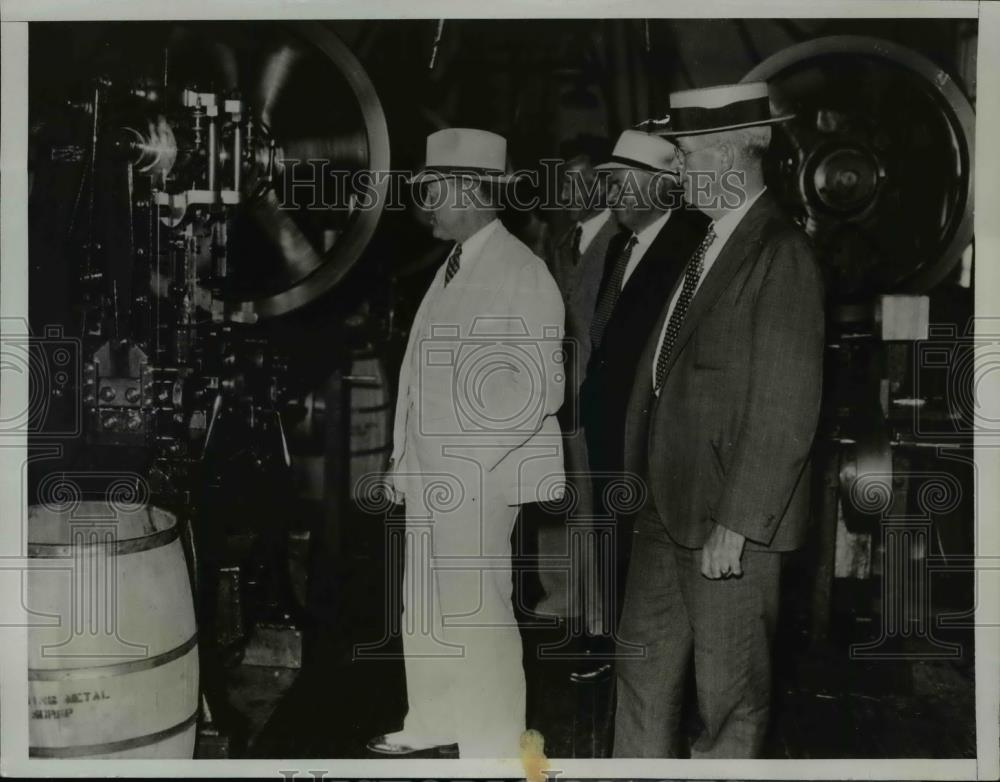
(697, 118)
(633, 163)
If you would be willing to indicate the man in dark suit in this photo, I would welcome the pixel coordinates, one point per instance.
(578, 258)
(721, 421)
(576, 262)
(582, 199)
(642, 262)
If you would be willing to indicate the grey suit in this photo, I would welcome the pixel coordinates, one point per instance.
(579, 280)
(726, 441)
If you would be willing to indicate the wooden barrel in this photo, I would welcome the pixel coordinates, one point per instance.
(113, 654)
(371, 417)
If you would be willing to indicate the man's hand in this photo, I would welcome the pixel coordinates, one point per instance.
(388, 486)
(720, 558)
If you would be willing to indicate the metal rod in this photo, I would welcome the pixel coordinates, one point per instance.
(213, 153)
(434, 48)
(93, 174)
(131, 241)
(237, 157)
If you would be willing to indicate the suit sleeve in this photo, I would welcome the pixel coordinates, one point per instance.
(530, 387)
(782, 406)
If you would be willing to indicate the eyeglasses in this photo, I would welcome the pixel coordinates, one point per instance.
(686, 153)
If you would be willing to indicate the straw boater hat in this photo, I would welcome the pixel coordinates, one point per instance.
(465, 152)
(715, 109)
(638, 150)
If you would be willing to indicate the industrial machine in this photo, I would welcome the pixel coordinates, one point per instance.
(193, 203)
(877, 167)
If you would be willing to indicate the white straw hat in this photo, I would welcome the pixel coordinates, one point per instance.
(638, 150)
(715, 109)
(468, 152)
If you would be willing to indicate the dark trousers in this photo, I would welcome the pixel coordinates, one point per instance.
(674, 613)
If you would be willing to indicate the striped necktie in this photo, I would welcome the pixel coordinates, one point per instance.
(613, 289)
(453, 263)
(692, 274)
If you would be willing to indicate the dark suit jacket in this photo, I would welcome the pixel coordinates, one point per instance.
(578, 279)
(580, 282)
(729, 436)
(611, 371)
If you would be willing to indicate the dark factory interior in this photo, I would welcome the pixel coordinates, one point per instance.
(234, 359)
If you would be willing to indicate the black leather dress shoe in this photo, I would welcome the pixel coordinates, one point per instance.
(389, 745)
(599, 673)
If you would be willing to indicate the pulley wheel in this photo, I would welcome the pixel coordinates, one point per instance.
(878, 163)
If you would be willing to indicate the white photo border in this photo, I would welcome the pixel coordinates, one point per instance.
(16, 14)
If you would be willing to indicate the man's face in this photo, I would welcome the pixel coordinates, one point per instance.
(579, 188)
(633, 196)
(447, 204)
(703, 164)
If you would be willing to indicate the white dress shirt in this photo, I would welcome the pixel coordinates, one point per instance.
(590, 227)
(643, 240)
(724, 228)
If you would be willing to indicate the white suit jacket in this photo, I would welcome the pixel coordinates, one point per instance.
(483, 372)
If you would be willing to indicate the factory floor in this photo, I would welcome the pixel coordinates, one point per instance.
(826, 704)
(331, 711)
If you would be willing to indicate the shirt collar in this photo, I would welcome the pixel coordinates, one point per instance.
(726, 224)
(472, 247)
(595, 221)
(649, 233)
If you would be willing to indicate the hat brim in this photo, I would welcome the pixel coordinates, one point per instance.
(430, 174)
(621, 165)
(611, 166)
(672, 133)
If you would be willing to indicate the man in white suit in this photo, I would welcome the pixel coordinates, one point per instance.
(475, 436)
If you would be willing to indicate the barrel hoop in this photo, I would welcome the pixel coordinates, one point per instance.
(112, 669)
(118, 548)
(113, 746)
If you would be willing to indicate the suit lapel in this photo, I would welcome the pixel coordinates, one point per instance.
(599, 244)
(475, 291)
(681, 231)
(488, 269)
(659, 252)
(640, 401)
(565, 236)
(743, 243)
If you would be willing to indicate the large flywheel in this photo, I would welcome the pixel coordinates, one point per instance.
(273, 129)
(878, 163)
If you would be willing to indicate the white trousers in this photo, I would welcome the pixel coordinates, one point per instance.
(461, 643)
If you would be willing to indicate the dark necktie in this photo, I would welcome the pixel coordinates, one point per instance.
(453, 263)
(609, 296)
(692, 274)
(577, 236)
